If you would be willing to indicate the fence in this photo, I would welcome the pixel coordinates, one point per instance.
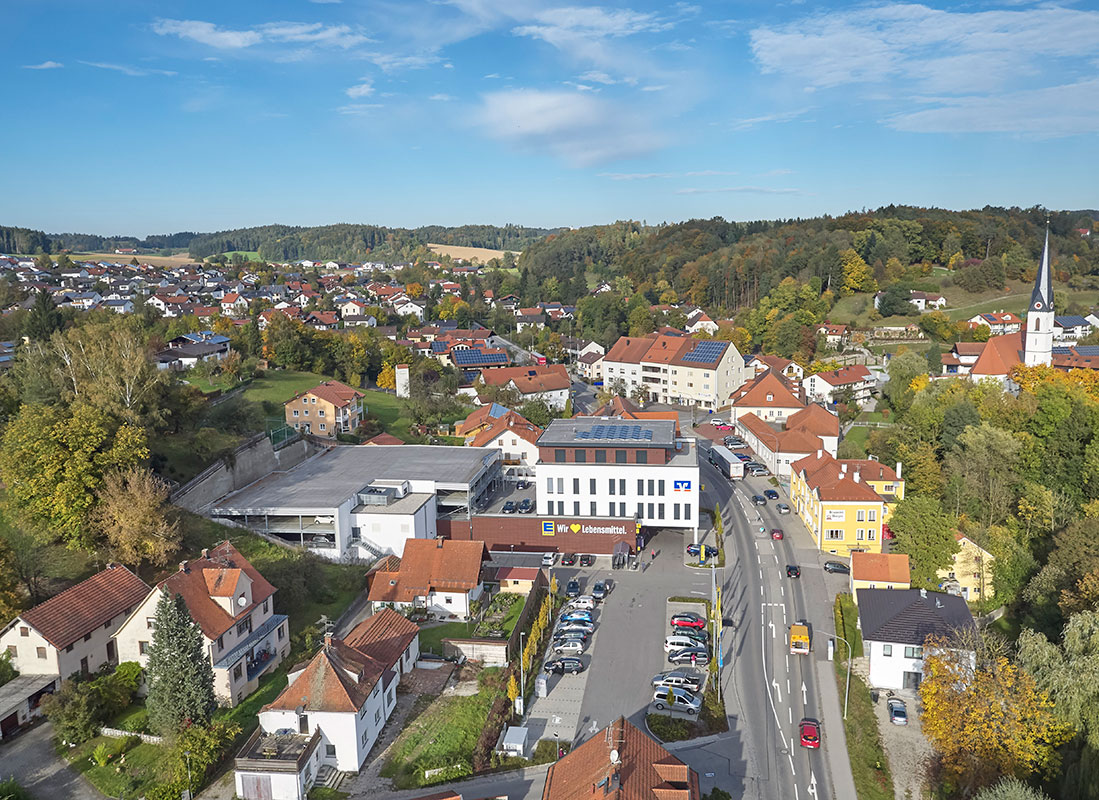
(118, 733)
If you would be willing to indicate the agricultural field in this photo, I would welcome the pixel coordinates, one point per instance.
(150, 258)
(479, 254)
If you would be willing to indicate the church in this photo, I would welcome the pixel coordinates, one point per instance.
(1031, 347)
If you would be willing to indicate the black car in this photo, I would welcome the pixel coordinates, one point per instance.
(694, 550)
(587, 560)
(526, 506)
(771, 494)
(690, 655)
(837, 567)
(793, 571)
(564, 664)
(572, 588)
(699, 635)
(568, 559)
(758, 500)
(509, 507)
(561, 636)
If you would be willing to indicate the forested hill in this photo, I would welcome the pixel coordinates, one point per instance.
(345, 242)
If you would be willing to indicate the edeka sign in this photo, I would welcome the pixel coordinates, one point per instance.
(549, 528)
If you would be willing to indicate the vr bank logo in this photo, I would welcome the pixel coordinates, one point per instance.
(681, 486)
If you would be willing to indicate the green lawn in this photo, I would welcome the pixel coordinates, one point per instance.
(246, 714)
(431, 639)
(858, 435)
(390, 412)
(142, 770)
(250, 255)
(869, 766)
(182, 460)
(279, 385)
(206, 384)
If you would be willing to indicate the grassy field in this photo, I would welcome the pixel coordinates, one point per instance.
(182, 460)
(479, 254)
(279, 385)
(249, 255)
(431, 639)
(858, 435)
(1017, 302)
(143, 768)
(390, 412)
(121, 258)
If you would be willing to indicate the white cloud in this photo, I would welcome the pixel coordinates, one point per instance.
(206, 33)
(773, 173)
(392, 62)
(779, 116)
(448, 65)
(357, 109)
(739, 190)
(313, 33)
(1066, 110)
(708, 172)
(581, 87)
(364, 89)
(581, 129)
(636, 176)
(492, 76)
(653, 88)
(44, 65)
(598, 76)
(441, 98)
(133, 72)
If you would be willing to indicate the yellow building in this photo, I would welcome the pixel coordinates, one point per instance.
(325, 410)
(879, 571)
(971, 570)
(844, 503)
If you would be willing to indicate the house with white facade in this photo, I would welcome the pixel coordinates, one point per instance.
(517, 440)
(331, 712)
(698, 321)
(829, 386)
(769, 396)
(757, 364)
(233, 605)
(1070, 328)
(674, 369)
(442, 576)
(998, 322)
(590, 366)
(778, 446)
(550, 383)
(896, 624)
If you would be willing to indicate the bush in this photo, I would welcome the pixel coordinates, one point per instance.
(11, 790)
(546, 751)
(129, 674)
(668, 728)
(103, 753)
(137, 722)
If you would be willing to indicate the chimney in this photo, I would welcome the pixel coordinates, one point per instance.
(327, 640)
(843, 469)
(182, 566)
(923, 593)
(898, 470)
(856, 475)
(439, 543)
(819, 453)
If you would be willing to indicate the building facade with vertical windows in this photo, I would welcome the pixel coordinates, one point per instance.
(615, 468)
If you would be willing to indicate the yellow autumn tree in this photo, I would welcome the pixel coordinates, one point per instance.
(857, 275)
(387, 378)
(513, 688)
(986, 716)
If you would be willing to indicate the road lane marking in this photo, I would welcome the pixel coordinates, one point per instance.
(788, 686)
(771, 625)
(812, 784)
(804, 694)
(778, 689)
(787, 662)
(761, 591)
(790, 755)
(790, 714)
(782, 589)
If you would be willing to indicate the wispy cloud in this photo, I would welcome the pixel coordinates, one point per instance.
(206, 33)
(738, 190)
(364, 89)
(441, 98)
(393, 62)
(357, 109)
(308, 33)
(779, 116)
(774, 173)
(636, 176)
(708, 172)
(133, 72)
(659, 88)
(44, 65)
(581, 129)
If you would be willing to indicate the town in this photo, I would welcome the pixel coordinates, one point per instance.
(410, 528)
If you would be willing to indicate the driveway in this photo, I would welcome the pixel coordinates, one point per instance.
(29, 758)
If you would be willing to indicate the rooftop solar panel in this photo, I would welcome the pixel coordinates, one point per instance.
(616, 432)
(1089, 350)
(475, 356)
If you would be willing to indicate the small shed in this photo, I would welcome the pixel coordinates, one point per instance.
(515, 741)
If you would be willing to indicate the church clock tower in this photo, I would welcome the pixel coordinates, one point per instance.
(1038, 348)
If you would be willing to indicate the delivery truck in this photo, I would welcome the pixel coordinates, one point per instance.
(729, 465)
(799, 639)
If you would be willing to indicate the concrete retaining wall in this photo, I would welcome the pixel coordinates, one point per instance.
(252, 460)
(490, 652)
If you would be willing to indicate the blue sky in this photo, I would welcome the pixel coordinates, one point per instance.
(146, 117)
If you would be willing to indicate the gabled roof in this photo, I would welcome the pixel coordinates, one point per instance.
(910, 616)
(886, 567)
(530, 380)
(814, 419)
(1070, 321)
(338, 678)
(644, 770)
(511, 422)
(88, 605)
(191, 582)
(856, 373)
(999, 355)
(479, 417)
(429, 565)
(777, 363)
(384, 438)
(336, 393)
(383, 636)
(788, 441)
(754, 393)
(835, 480)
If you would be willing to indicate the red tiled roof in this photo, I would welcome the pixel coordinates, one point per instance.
(754, 393)
(383, 636)
(969, 348)
(517, 573)
(511, 422)
(814, 419)
(530, 380)
(336, 393)
(999, 355)
(338, 678)
(844, 375)
(429, 564)
(384, 438)
(825, 476)
(88, 605)
(890, 567)
(477, 418)
(795, 441)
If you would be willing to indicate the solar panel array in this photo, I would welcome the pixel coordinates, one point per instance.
(475, 356)
(618, 432)
(1089, 350)
(706, 351)
(438, 347)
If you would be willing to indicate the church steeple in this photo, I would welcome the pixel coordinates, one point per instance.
(1038, 345)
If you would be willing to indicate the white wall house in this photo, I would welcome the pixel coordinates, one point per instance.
(442, 576)
(675, 369)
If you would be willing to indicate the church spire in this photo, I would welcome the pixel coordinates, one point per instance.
(1041, 299)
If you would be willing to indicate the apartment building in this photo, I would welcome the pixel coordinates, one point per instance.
(325, 410)
(675, 369)
(605, 467)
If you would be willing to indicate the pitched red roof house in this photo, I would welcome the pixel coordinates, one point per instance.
(82, 608)
(429, 565)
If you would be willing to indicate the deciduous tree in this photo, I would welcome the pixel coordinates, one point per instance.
(926, 533)
(857, 275)
(134, 516)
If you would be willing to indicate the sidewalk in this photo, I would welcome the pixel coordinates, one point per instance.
(839, 764)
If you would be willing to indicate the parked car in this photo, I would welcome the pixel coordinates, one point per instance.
(776, 533)
(584, 601)
(759, 500)
(837, 568)
(587, 560)
(576, 615)
(572, 588)
(783, 508)
(743, 458)
(793, 571)
(526, 506)
(715, 421)
(757, 472)
(509, 507)
(574, 625)
(548, 559)
(690, 655)
(809, 731)
(571, 646)
(723, 426)
(522, 484)
(694, 550)
(678, 641)
(898, 712)
(600, 590)
(771, 494)
(560, 666)
(688, 679)
(568, 559)
(570, 636)
(677, 698)
(697, 634)
(688, 619)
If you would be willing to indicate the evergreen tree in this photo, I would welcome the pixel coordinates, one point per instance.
(44, 318)
(180, 678)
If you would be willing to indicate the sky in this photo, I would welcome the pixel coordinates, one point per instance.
(140, 117)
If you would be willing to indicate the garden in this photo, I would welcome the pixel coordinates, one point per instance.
(500, 617)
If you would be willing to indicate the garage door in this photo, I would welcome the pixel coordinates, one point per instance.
(9, 725)
(256, 787)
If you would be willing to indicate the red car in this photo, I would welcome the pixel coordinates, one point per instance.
(688, 620)
(809, 729)
(776, 533)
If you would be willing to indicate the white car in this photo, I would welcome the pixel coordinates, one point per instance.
(584, 601)
(716, 421)
(571, 646)
(548, 559)
(679, 699)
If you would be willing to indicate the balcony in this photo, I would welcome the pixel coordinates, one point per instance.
(253, 647)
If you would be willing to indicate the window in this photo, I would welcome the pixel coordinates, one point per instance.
(41, 652)
(143, 648)
(873, 515)
(559, 456)
(549, 485)
(640, 510)
(887, 650)
(448, 600)
(24, 631)
(610, 509)
(576, 486)
(320, 412)
(770, 397)
(860, 516)
(593, 511)
(149, 623)
(622, 486)
(871, 533)
(295, 412)
(600, 456)
(265, 602)
(87, 637)
(642, 456)
(660, 511)
(652, 485)
(313, 400)
(660, 488)
(651, 515)
(833, 534)
(580, 456)
(860, 534)
(238, 670)
(560, 486)
(323, 426)
(330, 750)
(641, 486)
(913, 652)
(107, 624)
(576, 508)
(686, 511)
(611, 483)
(244, 627)
(69, 649)
(377, 716)
(619, 456)
(281, 632)
(221, 643)
(621, 509)
(591, 487)
(305, 412)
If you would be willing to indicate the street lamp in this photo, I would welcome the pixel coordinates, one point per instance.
(847, 691)
(187, 758)
(522, 670)
(557, 745)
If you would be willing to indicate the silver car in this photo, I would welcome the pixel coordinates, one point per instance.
(898, 712)
(691, 680)
(679, 699)
(572, 647)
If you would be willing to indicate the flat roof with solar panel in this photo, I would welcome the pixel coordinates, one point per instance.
(610, 431)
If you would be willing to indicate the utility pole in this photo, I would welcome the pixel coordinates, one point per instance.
(847, 691)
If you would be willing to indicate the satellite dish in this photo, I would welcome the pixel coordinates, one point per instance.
(241, 601)
(614, 756)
